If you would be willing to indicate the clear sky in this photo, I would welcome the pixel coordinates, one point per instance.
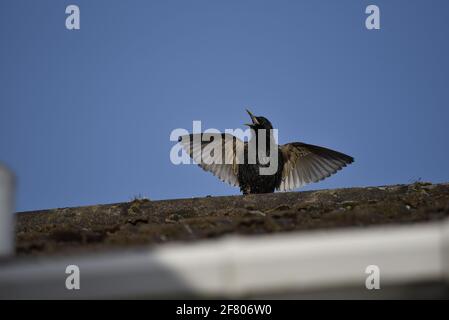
(86, 115)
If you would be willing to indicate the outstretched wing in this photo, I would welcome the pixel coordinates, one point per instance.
(306, 163)
(231, 147)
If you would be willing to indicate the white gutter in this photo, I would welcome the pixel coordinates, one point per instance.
(238, 266)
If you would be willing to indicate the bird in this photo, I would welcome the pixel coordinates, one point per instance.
(296, 164)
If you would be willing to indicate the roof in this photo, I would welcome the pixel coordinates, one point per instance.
(154, 223)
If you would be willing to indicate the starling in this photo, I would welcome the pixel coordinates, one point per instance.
(296, 163)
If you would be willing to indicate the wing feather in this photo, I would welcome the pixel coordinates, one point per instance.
(306, 163)
(230, 146)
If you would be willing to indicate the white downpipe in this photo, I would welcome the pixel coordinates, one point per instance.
(6, 212)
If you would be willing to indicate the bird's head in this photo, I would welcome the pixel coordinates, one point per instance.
(258, 122)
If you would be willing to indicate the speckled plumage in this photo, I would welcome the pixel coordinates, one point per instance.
(250, 180)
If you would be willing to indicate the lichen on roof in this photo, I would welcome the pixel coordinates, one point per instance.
(145, 222)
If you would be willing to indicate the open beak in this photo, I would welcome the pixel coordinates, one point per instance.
(253, 119)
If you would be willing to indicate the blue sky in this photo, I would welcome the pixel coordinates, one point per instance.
(86, 115)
